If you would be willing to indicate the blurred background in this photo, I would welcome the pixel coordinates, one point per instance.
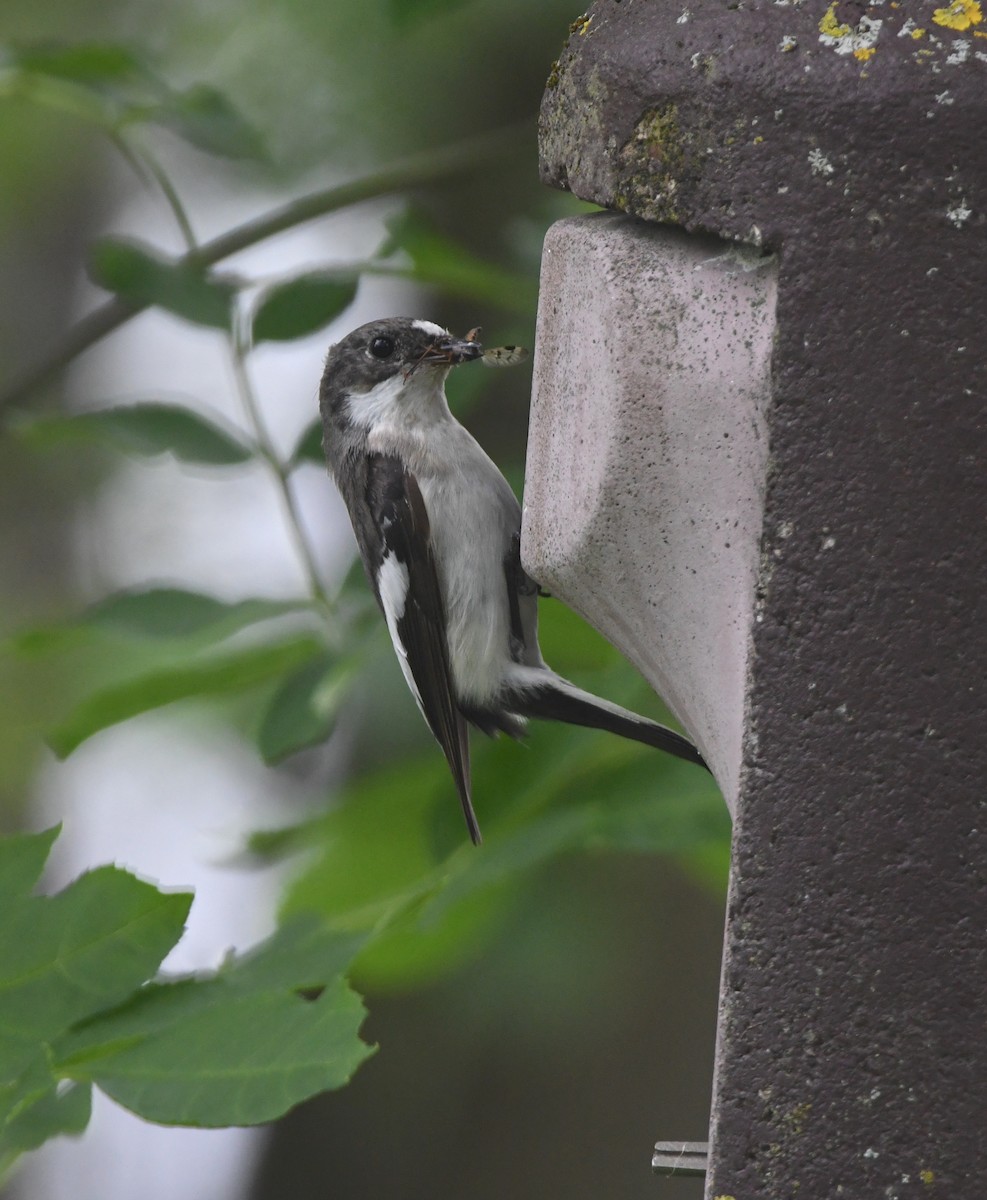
(555, 1015)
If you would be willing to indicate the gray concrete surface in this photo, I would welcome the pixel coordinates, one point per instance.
(647, 456)
(847, 139)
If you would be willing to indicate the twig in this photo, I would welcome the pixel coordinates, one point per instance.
(428, 167)
(239, 346)
(238, 339)
(172, 198)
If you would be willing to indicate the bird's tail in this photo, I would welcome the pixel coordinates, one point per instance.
(556, 699)
(458, 757)
(471, 822)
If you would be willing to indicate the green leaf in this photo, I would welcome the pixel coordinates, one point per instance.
(244, 1062)
(375, 850)
(98, 83)
(67, 956)
(98, 65)
(438, 260)
(687, 814)
(205, 118)
(157, 614)
(305, 952)
(208, 675)
(25, 1074)
(148, 429)
(237, 1047)
(393, 857)
(302, 305)
(175, 612)
(409, 954)
(309, 446)
(59, 1111)
(132, 93)
(140, 275)
(304, 709)
(22, 859)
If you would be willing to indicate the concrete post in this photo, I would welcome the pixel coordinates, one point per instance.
(830, 657)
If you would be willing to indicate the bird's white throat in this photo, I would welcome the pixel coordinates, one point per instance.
(411, 402)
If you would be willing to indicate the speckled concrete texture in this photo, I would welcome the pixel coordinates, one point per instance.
(647, 456)
(847, 138)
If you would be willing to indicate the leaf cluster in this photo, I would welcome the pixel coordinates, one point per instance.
(80, 1005)
(116, 87)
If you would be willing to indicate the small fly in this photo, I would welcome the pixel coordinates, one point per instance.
(504, 356)
(499, 356)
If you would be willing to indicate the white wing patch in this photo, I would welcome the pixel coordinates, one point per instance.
(392, 584)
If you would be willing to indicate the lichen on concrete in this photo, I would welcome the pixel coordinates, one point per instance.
(651, 163)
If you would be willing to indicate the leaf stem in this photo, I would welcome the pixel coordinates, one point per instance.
(174, 201)
(427, 167)
(280, 471)
(238, 339)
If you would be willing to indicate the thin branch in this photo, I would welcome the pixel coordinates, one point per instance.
(415, 171)
(172, 198)
(279, 471)
(238, 340)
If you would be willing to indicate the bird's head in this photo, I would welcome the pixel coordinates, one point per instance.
(392, 369)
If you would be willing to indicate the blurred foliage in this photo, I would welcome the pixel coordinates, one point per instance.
(389, 893)
(116, 88)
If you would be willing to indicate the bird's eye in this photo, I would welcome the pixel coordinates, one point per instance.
(381, 347)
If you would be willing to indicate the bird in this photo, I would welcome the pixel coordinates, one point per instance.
(439, 530)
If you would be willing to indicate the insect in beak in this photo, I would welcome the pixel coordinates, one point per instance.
(449, 352)
(460, 350)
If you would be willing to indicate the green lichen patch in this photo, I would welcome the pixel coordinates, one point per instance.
(652, 162)
(662, 165)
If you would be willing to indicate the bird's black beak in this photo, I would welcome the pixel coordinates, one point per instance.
(453, 351)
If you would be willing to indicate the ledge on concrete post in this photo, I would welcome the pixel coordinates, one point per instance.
(657, 348)
(831, 659)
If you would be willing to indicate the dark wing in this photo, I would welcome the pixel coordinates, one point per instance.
(402, 566)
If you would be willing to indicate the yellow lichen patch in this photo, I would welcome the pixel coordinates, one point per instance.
(918, 33)
(864, 53)
(581, 25)
(724, 1198)
(961, 14)
(758, 140)
(831, 27)
(979, 33)
(927, 1176)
